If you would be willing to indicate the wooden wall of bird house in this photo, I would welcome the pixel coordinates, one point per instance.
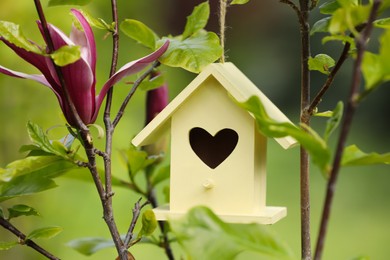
(218, 157)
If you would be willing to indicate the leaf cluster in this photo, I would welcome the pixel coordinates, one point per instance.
(46, 159)
(194, 49)
(205, 236)
(345, 20)
(13, 33)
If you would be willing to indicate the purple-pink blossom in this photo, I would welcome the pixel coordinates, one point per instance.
(156, 100)
(80, 76)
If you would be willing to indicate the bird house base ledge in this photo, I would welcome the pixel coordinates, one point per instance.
(269, 215)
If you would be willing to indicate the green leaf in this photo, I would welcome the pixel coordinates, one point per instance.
(383, 23)
(376, 67)
(347, 18)
(341, 38)
(329, 7)
(39, 138)
(197, 20)
(372, 70)
(97, 23)
(136, 160)
(149, 223)
(239, 2)
(309, 139)
(193, 53)
(46, 232)
(25, 185)
(68, 2)
(334, 120)
(21, 210)
(12, 33)
(324, 114)
(204, 236)
(99, 129)
(66, 55)
(90, 245)
(8, 245)
(161, 175)
(353, 156)
(321, 63)
(152, 83)
(321, 26)
(39, 166)
(139, 32)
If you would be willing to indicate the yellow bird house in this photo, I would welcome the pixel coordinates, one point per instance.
(218, 158)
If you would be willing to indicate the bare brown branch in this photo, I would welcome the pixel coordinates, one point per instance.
(23, 239)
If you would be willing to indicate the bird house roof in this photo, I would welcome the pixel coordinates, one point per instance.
(235, 83)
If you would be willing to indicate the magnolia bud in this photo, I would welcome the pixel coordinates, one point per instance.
(156, 101)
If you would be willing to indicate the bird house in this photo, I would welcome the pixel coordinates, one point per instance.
(218, 157)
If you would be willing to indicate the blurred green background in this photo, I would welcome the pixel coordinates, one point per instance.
(263, 41)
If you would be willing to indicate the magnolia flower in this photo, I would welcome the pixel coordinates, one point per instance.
(79, 77)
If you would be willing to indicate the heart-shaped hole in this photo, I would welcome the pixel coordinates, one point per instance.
(213, 150)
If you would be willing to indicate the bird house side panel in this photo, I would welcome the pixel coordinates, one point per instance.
(212, 154)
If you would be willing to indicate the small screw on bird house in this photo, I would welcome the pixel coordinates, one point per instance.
(218, 158)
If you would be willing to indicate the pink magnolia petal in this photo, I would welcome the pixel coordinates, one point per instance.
(79, 82)
(78, 37)
(86, 39)
(79, 78)
(128, 69)
(58, 37)
(38, 78)
(38, 61)
(156, 100)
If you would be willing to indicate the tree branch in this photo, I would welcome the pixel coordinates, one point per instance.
(318, 98)
(136, 212)
(24, 241)
(361, 43)
(303, 16)
(107, 200)
(105, 195)
(305, 120)
(132, 91)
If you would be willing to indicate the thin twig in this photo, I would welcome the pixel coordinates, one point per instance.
(132, 91)
(344, 55)
(24, 241)
(107, 111)
(317, 99)
(136, 212)
(353, 102)
(107, 201)
(114, 58)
